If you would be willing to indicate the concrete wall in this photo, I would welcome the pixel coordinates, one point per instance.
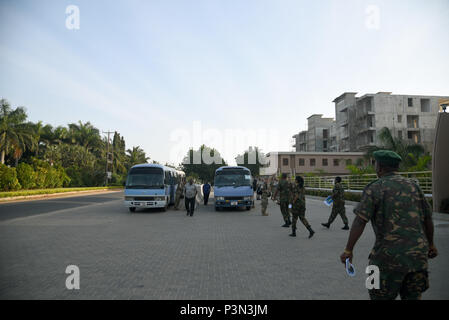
(440, 165)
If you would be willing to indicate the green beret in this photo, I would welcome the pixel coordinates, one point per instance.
(387, 157)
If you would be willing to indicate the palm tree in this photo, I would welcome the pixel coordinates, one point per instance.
(85, 135)
(43, 135)
(136, 156)
(410, 152)
(16, 136)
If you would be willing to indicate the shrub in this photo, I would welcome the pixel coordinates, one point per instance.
(8, 178)
(350, 196)
(26, 176)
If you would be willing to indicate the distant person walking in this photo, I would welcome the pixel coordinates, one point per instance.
(206, 192)
(190, 193)
(178, 194)
(254, 190)
(265, 195)
(299, 206)
(338, 206)
(283, 190)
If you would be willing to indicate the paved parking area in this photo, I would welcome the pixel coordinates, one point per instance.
(167, 255)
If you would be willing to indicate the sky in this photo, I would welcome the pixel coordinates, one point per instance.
(170, 75)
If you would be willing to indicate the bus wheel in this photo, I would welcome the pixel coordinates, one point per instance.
(217, 208)
(132, 209)
(248, 208)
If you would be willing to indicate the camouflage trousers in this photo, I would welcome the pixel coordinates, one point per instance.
(409, 286)
(299, 213)
(177, 201)
(264, 206)
(284, 210)
(338, 210)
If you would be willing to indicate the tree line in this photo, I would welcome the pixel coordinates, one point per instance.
(38, 155)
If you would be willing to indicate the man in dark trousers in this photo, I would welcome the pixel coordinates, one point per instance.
(190, 196)
(254, 190)
(206, 192)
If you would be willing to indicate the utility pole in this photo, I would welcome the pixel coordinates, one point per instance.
(107, 157)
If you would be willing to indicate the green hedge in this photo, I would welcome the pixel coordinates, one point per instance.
(39, 175)
(49, 191)
(323, 193)
(8, 178)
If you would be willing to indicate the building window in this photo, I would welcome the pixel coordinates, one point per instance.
(400, 134)
(348, 162)
(425, 105)
(399, 118)
(285, 161)
(336, 163)
(410, 102)
(312, 162)
(301, 162)
(324, 162)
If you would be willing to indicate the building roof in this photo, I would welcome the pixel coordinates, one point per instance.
(343, 95)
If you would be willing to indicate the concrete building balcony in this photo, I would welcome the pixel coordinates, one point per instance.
(365, 129)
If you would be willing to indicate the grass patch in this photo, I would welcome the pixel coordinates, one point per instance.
(21, 193)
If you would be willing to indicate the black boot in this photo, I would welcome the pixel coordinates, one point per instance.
(285, 225)
(327, 225)
(346, 227)
(293, 234)
(311, 232)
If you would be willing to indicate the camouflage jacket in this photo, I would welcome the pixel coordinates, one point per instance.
(298, 194)
(338, 195)
(397, 208)
(265, 192)
(284, 191)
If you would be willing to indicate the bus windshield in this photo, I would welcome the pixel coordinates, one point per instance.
(145, 178)
(232, 178)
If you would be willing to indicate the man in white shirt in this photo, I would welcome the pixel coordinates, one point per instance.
(190, 193)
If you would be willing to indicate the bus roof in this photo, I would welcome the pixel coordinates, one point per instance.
(155, 165)
(232, 167)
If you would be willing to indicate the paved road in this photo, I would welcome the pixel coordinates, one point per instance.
(156, 255)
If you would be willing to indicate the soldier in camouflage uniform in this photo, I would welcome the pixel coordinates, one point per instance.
(271, 184)
(402, 222)
(298, 201)
(338, 206)
(283, 189)
(178, 194)
(265, 195)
